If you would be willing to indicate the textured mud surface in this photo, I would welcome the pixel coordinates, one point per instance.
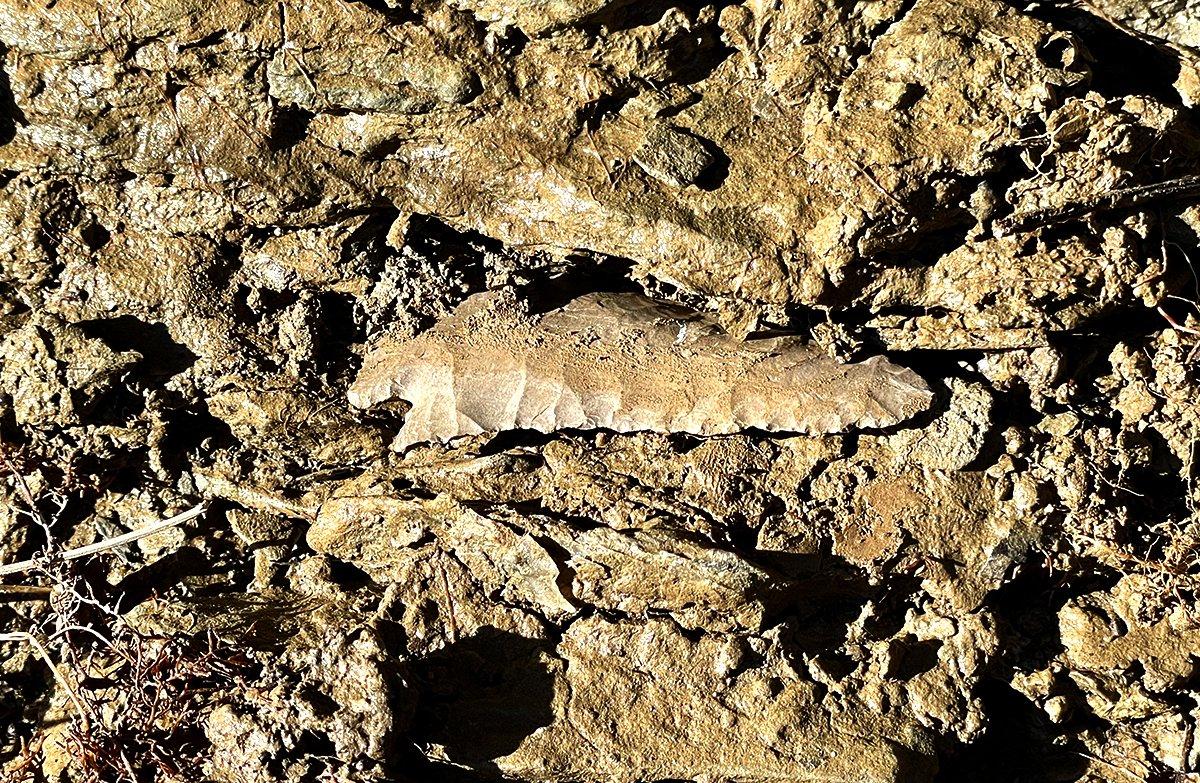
(217, 216)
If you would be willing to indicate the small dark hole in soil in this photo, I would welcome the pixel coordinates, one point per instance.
(340, 330)
(714, 176)
(1028, 605)
(160, 576)
(911, 657)
(395, 14)
(1053, 52)
(289, 126)
(10, 114)
(323, 705)
(163, 357)
(95, 236)
(188, 430)
(1112, 50)
(347, 575)
(1015, 722)
(116, 407)
(480, 697)
(407, 487)
(837, 665)
(309, 745)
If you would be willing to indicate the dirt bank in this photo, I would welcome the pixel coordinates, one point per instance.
(822, 406)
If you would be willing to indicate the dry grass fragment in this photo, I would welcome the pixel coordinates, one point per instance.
(138, 702)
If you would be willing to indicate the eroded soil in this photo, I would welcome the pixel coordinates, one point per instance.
(213, 211)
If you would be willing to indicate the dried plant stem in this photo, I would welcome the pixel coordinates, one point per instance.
(1176, 325)
(16, 593)
(1181, 188)
(110, 543)
(31, 640)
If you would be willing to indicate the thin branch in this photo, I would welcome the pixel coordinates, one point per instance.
(1176, 325)
(22, 488)
(15, 593)
(31, 640)
(1182, 188)
(109, 543)
(886, 194)
(88, 630)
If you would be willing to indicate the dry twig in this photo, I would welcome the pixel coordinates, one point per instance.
(109, 543)
(1120, 198)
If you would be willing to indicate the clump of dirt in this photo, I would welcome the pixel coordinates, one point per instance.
(968, 550)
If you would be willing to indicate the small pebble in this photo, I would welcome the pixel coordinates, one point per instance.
(674, 157)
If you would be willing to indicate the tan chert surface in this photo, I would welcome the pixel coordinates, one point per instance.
(625, 363)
